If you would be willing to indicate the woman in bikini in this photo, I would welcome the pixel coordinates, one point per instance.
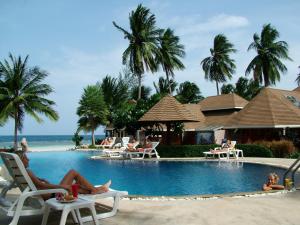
(71, 177)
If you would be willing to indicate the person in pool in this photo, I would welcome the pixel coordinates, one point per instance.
(272, 183)
(85, 187)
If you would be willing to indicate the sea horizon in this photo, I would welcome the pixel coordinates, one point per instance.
(46, 142)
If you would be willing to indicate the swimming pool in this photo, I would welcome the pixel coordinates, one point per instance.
(153, 178)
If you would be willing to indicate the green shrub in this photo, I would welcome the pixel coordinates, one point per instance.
(294, 155)
(252, 150)
(280, 149)
(182, 151)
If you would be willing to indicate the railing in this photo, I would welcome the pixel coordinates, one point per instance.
(292, 169)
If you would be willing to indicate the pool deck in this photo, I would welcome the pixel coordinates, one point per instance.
(264, 209)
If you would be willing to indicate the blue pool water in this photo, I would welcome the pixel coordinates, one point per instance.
(164, 178)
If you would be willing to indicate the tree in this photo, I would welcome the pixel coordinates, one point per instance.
(298, 78)
(170, 53)
(77, 139)
(227, 89)
(244, 87)
(143, 47)
(267, 65)
(22, 91)
(163, 86)
(115, 93)
(188, 92)
(219, 66)
(92, 110)
(145, 92)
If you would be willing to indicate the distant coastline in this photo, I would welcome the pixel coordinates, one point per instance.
(46, 142)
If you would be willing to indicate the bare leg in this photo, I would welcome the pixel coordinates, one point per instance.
(85, 186)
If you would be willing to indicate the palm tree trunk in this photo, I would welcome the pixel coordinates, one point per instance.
(93, 137)
(217, 84)
(140, 87)
(16, 132)
(169, 85)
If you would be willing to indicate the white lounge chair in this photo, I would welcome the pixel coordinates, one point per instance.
(116, 153)
(108, 146)
(146, 151)
(31, 197)
(219, 152)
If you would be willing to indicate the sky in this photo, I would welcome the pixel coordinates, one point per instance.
(75, 41)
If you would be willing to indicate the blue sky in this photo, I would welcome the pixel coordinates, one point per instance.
(77, 44)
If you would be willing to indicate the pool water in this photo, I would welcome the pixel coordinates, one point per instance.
(150, 178)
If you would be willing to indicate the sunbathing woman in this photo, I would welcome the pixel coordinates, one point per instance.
(272, 183)
(66, 183)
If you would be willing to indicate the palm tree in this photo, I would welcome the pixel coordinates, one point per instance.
(170, 53)
(188, 92)
(267, 65)
(143, 43)
(163, 86)
(145, 92)
(22, 91)
(92, 110)
(298, 78)
(219, 66)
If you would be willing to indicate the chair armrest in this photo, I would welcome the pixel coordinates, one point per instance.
(43, 192)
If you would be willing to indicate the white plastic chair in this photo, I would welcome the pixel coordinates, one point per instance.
(32, 196)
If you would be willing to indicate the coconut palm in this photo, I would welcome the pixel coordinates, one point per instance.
(163, 86)
(92, 110)
(143, 43)
(267, 65)
(188, 92)
(219, 66)
(22, 92)
(170, 53)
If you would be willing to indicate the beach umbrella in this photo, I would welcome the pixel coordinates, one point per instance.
(167, 111)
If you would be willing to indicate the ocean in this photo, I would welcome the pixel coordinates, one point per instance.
(46, 142)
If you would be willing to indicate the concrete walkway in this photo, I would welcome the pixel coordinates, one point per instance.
(281, 209)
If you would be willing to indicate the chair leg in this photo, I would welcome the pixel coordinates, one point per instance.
(79, 217)
(46, 215)
(75, 220)
(94, 214)
(64, 216)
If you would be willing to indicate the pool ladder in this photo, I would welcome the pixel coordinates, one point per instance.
(292, 169)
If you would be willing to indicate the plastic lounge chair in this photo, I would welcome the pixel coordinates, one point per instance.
(146, 151)
(108, 146)
(219, 152)
(31, 197)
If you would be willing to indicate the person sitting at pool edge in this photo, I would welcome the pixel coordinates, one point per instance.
(272, 183)
(72, 176)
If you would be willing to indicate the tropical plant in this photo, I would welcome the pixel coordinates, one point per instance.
(244, 87)
(115, 91)
(145, 92)
(77, 139)
(227, 89)
(188, 92)
(22, 92)
(143, 47)
(92, 110)
(219, 66)
(163, 86)
(171, 51)
(298, 78)
(267, 65)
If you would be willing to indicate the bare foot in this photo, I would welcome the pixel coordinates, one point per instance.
(102, 189)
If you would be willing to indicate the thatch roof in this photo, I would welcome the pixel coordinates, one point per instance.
(297, 89)
(221, 102)
(168, 109)
(195, 110)
(271, 108)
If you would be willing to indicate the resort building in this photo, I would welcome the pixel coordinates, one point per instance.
(271, 115)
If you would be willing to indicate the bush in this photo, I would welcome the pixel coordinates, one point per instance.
(294, 155)
(280, 149)
(252, 150)
(177, 151)
(182, 151)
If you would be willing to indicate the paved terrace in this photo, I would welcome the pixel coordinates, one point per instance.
(264, 209)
